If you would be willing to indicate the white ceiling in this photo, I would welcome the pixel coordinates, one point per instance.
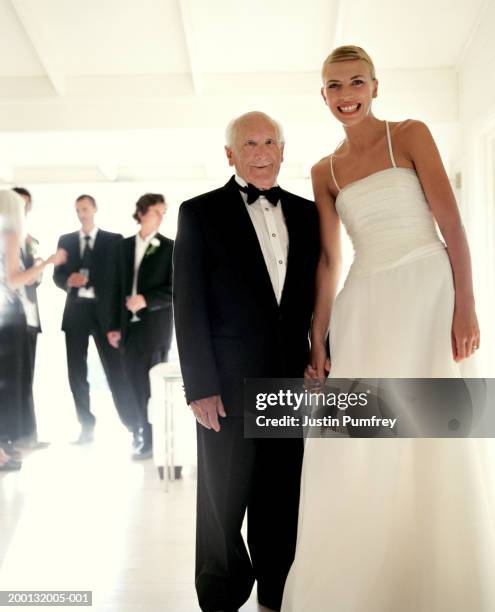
(119, 89)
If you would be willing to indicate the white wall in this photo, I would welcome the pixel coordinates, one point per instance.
(477, 160)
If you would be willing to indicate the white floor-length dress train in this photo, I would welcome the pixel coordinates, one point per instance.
(394, 525)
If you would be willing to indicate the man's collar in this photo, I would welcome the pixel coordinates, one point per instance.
(92, 233)
(240, 181)
(148, 238)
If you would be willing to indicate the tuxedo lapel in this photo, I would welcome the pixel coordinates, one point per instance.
(147, 260)
(130, 247)
(244, 244)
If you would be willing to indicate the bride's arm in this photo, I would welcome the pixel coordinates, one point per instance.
(436, 185)
(17, 278)
(328, 269)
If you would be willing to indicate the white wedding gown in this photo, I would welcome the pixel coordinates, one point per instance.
(394, 525)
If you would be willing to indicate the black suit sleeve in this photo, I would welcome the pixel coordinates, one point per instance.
(161, 295)
(115, 293)
(192, 327)
(61, 273)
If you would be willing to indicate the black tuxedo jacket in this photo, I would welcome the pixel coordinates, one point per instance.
(229, 325)
(100, 274)
(31, 290)
(154, 282)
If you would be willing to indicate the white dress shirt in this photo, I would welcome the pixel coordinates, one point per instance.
(87, 292)
(30, 310)
(273, 237)
(139, 251)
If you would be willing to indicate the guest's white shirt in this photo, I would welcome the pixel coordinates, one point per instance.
(139, 251)
(87, 292)
(273, 237)
(30, 309)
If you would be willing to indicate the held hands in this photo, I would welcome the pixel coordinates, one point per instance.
(206, 411)
(113, 338)
(319, 366)
(135, 303)
(465, 332)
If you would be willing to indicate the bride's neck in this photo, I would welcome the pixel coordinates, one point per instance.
(361, 137)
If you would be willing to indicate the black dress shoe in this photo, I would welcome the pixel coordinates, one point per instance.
(145, 451)
(85, 437)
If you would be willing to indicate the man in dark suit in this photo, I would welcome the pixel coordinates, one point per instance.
(29, 298)
(244, 266)
(86, 277)
(142, 306)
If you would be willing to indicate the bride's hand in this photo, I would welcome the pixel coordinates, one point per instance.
(319, 365)
(465, 332)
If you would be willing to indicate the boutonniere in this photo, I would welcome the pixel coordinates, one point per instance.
(152, 247)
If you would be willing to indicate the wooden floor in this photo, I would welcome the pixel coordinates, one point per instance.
(88, 518)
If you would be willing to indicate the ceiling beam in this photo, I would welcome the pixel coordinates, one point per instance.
(109, 170)
(472, 33)
(185, 12)
(41, 44)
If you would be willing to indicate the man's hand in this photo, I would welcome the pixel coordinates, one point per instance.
(206, 411)
(320, 364)
(58, 258)
(113, 338)
(135, 303)
(77, 280)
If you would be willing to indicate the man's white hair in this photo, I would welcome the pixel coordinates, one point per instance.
(12, 218)
(232, 127)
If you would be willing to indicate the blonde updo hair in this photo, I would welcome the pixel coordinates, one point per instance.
(346, 53)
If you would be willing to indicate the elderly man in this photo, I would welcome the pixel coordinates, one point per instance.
(244, 266)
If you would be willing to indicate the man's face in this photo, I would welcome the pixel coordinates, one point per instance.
(86, 211)
(256, 152)
(152, 219)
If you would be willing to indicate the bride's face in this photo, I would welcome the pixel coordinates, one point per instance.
(348, 90)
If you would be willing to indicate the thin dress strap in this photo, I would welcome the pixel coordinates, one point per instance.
(333, 174)
(389, 140)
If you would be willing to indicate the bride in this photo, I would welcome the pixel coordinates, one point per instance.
(390, 525)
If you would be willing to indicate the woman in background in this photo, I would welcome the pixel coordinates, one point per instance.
(14, 378)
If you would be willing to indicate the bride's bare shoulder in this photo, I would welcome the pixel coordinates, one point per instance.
(409, 128)
(321, 168)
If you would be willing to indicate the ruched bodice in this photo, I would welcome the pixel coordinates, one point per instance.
(388, 220)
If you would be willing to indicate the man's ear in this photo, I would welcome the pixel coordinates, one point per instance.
(229, 154)
(282, 152)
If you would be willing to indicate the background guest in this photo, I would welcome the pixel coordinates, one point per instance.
(85, 276)
(142, 305)
(29, 298)
(15, 383)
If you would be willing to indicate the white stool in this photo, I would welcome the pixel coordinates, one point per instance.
(168, 423)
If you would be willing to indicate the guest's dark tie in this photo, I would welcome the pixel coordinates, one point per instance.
(86, 259)
(253, 193)
(86, 254)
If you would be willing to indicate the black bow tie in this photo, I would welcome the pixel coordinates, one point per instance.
(253, 193)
